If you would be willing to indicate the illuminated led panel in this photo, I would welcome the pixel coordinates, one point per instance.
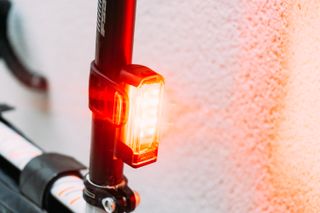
(139, 134)
(142, 132)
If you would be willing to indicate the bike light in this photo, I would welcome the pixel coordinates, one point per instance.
(140, 134)
(133, 107)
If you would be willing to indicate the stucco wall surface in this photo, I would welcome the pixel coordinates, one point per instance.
(240, 125)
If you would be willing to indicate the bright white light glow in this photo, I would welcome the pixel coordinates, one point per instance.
(142, 129)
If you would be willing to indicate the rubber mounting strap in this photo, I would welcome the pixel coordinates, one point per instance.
(40, 173)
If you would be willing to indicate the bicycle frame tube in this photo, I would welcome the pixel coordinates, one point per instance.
(114, 43)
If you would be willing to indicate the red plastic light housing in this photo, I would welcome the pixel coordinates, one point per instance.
(133, 107)
(107, 100)
(139, 138)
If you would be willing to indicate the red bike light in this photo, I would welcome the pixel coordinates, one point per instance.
(139, 138)
(133, 107)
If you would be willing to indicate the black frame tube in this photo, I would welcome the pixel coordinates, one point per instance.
(115, 32)
(114, 44)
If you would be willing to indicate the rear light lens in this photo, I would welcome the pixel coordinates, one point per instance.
(141, 132)
(144, 89)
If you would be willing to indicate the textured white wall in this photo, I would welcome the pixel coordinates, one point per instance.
(240, 131)
(296, 151)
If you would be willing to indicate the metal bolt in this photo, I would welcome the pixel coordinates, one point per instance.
(109, 204)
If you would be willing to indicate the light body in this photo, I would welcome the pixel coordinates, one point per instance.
(133, 107)
(140, 133)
